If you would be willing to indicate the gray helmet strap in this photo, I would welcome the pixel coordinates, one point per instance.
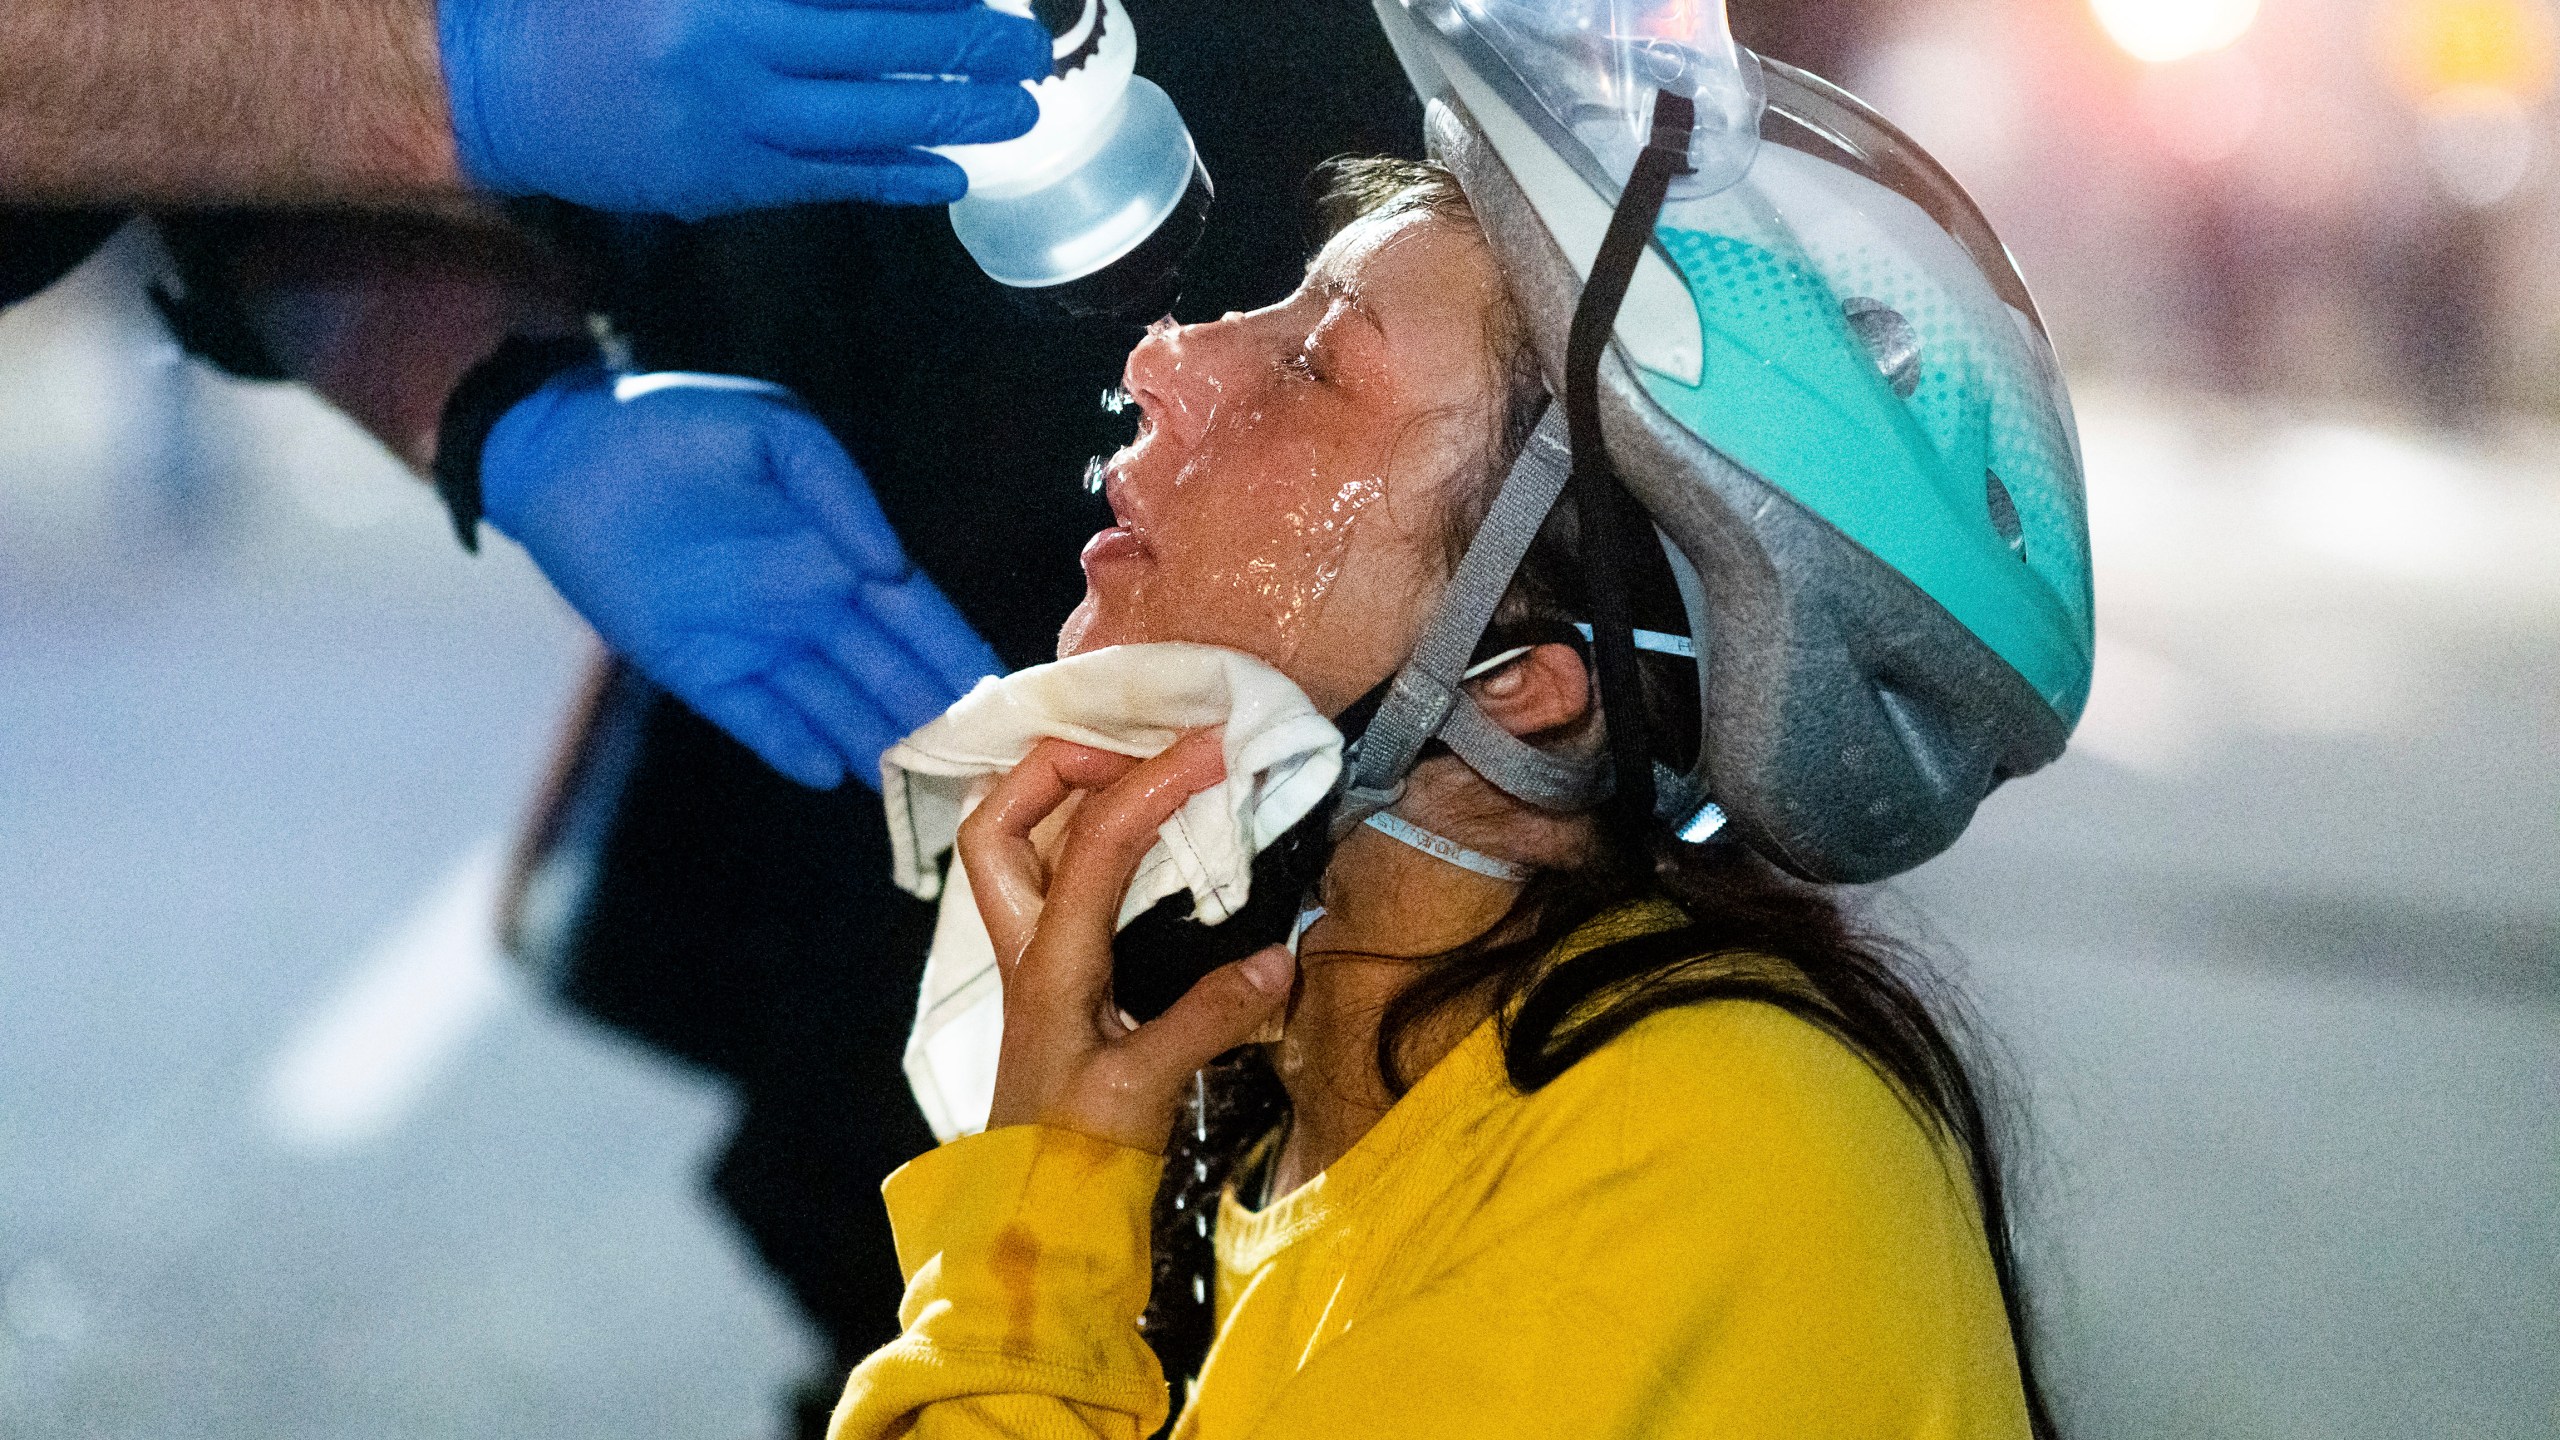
(1427, 697)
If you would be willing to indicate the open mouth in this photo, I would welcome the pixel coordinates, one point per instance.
(1118, 474)
(1126, 539)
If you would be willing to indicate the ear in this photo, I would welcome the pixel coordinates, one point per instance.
(1546, 689)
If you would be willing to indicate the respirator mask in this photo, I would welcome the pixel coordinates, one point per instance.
(1096, 209)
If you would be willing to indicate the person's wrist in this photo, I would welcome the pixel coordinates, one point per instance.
(487, 395)
(1049, 1176)
(466, 110)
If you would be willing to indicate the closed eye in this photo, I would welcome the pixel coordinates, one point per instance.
(1301, 365)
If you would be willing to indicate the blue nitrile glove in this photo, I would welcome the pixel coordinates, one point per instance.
(715, 534)
(699, 107)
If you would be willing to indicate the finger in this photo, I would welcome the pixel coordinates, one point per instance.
(929, 625)
(863, 117)
(822, 479)
(770, 726)
(883, 177)
(1005, 872)
(1225, 1009)
(767, 586)
(905, 691)
(829, 702)
(1115, 830)
(857, 43)
(891, 5)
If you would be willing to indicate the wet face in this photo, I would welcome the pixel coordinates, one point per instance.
(1287, 491)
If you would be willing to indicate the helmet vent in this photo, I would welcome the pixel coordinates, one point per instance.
(2004, 514)
(1889, 340)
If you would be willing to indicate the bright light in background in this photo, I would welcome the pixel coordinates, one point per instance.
(2205, 109)
(2480, 143)
(2475, 69)
(2440, 47)
(2163, 30)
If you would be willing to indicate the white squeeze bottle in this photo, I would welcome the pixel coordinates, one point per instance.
(1099, 205)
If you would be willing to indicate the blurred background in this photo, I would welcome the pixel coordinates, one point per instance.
(2272, 957)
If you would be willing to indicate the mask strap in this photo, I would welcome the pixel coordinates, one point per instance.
(1441, 847)
(1658, 642)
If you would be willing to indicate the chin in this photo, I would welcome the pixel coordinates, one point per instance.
(1084, 629)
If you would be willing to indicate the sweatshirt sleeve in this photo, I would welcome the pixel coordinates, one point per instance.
(1722, 1224)
(1026, 1256)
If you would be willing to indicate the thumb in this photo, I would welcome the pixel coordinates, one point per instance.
(1228, 1007)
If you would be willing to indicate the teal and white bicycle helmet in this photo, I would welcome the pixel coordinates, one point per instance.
(1797, 346)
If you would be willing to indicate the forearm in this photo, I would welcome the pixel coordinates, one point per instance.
(381, 315)
(396, 343)
(202, 101)
(1027, 1261)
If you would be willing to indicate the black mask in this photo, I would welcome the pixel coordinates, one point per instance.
(1164, 952)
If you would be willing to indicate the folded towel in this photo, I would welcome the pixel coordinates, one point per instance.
(1282, 758)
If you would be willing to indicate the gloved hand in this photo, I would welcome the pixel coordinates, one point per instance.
(717, 536)
(698, 107)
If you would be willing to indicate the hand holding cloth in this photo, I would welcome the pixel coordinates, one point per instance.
(1282, 758)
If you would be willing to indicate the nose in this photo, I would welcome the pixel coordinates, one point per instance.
(1179, 373)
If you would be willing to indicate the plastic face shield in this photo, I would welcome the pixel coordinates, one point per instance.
(1584, 74)
(1809, 114)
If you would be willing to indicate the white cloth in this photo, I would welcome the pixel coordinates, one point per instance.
(1282, 758)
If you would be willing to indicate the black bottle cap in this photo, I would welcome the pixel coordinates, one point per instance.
(1144, 283)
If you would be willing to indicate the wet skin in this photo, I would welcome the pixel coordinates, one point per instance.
(1287, 495)
(1286, 492)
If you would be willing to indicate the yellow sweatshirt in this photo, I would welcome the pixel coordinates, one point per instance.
(1722, 1223)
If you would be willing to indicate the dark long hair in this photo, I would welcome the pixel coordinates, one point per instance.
(1752, 933)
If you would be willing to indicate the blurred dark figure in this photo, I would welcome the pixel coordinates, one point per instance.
(2232, 291)
(2438, 289)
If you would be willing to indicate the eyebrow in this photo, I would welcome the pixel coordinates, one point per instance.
(1332, 288)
